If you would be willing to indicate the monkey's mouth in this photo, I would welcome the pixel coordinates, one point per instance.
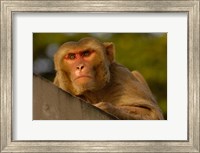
(83, 77)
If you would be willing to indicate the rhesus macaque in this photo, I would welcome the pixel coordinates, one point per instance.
(88, 70)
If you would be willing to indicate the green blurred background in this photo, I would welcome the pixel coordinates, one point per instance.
(145, 52)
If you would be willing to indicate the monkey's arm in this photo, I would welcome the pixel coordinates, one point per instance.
(141, 79)
(140, 112)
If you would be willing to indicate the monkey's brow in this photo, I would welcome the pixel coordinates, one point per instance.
(78, 51)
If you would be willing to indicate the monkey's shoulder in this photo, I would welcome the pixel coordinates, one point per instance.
(120, 72)
(131, 84)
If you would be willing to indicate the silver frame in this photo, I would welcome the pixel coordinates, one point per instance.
(8, 7)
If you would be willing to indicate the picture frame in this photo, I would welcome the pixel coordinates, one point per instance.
(8, 8)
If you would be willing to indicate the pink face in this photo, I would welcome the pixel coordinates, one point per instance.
(80, 63)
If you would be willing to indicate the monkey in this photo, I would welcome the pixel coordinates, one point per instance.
(87, 69)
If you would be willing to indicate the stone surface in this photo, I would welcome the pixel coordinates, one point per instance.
(52, 103)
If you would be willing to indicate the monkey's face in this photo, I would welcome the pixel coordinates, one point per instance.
(85, 63)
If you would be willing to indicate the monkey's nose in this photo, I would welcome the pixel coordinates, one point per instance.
(80, 67)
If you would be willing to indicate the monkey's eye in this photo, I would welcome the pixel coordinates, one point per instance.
(71, 56)
(86, 53)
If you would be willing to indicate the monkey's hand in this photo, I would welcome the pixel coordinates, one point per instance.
(126, 112)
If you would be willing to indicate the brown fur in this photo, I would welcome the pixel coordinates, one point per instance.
(114, 88)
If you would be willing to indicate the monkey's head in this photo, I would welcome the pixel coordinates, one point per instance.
(84, 65)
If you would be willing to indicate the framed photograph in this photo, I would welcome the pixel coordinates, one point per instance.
(151, 62)
(158, 38)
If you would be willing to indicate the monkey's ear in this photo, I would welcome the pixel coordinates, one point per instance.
(110, 50)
